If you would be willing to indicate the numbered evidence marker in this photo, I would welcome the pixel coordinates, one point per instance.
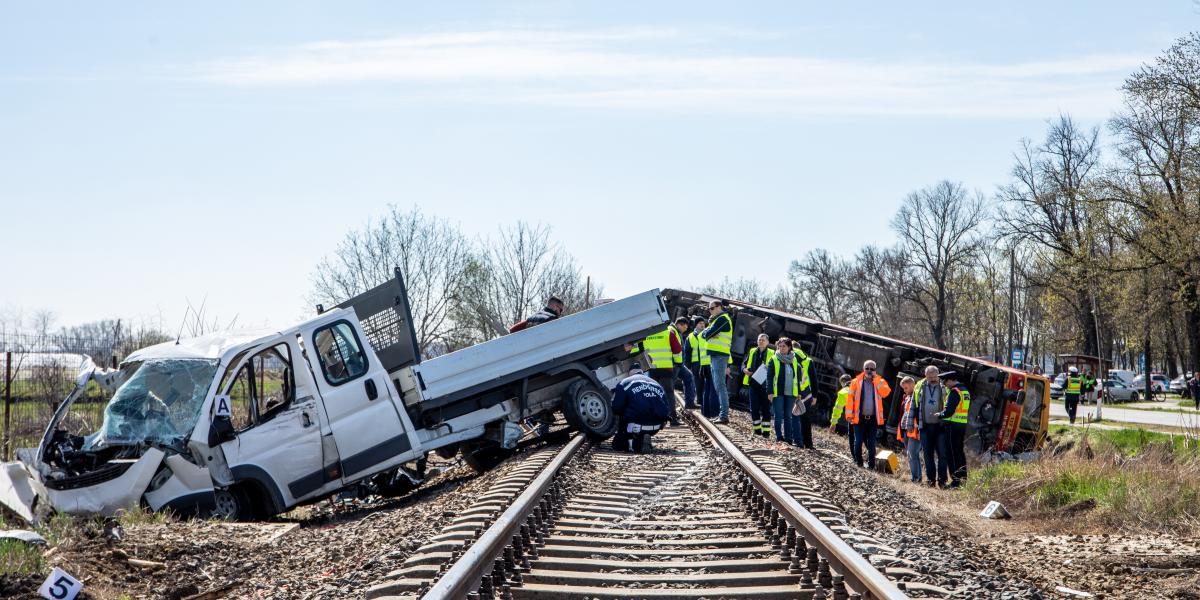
(222, 409)
(995, 510)
(60, 586)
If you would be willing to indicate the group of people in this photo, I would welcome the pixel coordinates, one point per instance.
(933, 421)
(777, 377)
(696, 352)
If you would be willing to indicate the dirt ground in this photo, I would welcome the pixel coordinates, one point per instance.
(326, 550)
(1045, 552)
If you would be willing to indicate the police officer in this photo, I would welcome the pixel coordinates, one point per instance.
(641, 406)
(958, 406)
(1071, 392)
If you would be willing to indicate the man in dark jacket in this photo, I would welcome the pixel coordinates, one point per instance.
(641, 406)
(553, 310)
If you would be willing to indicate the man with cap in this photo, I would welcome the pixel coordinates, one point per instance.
(641, 406)
(956, 416)
(1071, 390)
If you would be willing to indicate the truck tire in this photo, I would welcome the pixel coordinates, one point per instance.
(484, 456)
(233, 504)
(589, 410)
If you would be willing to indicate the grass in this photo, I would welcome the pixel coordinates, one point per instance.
(1123, 479)
(19, 558)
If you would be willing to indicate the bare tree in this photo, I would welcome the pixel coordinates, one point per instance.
(746, 290)
(1051, 205)
(513, 274)
(818, 287)
(435, 258)
(938, 229)
(1158, 177)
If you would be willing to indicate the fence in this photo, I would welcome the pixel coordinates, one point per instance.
(39, 372)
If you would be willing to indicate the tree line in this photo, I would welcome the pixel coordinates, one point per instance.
(462, 290)
(1090, 247)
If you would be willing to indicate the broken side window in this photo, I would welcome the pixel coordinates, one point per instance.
(241, 398)
(264, 385)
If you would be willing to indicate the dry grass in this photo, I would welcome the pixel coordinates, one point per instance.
(1103, 480)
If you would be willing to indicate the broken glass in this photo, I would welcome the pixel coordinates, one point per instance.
(158, 404)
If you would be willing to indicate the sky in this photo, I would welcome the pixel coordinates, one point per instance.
(155, 155)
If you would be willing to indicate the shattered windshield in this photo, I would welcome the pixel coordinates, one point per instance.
(159, 403)
(1031, 416)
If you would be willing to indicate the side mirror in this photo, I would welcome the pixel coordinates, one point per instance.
(221, 430)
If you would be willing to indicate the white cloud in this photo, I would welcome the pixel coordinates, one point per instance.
(668, 70)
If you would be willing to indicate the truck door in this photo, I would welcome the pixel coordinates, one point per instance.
(357, 396)
(273, 410)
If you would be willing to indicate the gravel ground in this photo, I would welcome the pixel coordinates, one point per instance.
(930, 538)
(1018, 558)
(328, 550)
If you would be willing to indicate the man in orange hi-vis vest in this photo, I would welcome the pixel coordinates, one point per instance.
(864, 410)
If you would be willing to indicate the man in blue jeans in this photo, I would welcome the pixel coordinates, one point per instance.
(719, 337)
(928, 408)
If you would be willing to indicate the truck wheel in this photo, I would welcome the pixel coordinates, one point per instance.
(589, 410)
(484, 456)
(232, 504)
(1133, 397)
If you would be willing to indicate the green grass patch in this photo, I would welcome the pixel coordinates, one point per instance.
(1111, 479)
(1129, 441)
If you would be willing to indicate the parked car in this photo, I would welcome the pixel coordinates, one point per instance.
(1056, 386)
(1117, 391)
(1159, 383)
(1179, 385)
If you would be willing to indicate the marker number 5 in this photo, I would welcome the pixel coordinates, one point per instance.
(60, 586)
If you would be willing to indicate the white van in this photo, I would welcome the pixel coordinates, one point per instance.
(245, 426)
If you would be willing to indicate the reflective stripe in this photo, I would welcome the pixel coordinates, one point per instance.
(796, 374)
(721, 342)
(658, 349)
(1074, 384)
(693, 348)
(964, 405)
(704, 358)
(676, 357)
(750, 362)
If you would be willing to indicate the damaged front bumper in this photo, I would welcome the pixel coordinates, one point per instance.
(23, 490)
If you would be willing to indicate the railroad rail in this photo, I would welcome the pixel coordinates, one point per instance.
(683, 522)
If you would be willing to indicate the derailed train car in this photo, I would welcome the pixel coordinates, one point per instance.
(1010, 409)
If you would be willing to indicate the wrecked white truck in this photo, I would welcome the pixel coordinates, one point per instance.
(249, 426)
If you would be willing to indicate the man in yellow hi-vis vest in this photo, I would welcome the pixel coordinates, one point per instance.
(719, 336)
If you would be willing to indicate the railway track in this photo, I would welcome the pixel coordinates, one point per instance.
(698, 518)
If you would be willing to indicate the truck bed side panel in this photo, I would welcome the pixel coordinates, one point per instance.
(506, 359)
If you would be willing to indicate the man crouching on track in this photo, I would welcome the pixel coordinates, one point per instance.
(641, 406)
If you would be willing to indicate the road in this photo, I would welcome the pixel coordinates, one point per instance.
(1124, 415)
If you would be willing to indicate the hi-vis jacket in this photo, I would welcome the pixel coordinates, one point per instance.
(882, 389)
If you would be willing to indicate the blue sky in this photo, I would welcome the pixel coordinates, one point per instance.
(155, 153)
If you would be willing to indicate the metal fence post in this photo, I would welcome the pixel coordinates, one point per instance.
(7, 398)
